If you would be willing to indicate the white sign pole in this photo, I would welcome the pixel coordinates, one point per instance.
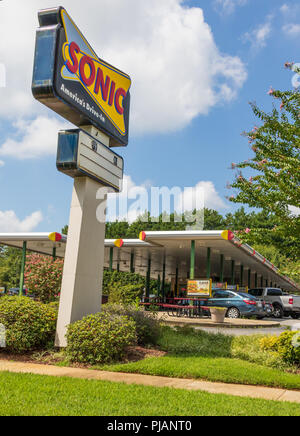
(81, 291)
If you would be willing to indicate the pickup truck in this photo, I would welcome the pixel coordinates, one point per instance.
(283, 304)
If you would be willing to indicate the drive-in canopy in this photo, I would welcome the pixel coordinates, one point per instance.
(219, 255)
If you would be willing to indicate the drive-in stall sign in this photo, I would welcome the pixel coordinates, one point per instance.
(80, 154)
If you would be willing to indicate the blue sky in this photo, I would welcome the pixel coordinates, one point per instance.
(183, 134)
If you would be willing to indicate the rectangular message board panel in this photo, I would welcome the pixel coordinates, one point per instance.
(70, 79)
(199, 288)
(233, 287)
(216, 286)
(79, 154)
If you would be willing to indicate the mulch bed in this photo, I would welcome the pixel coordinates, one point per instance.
(134, 354)
(139, 353)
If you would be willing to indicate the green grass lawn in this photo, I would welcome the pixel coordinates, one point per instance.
(33, 395)
(214, 357)
(213, 369)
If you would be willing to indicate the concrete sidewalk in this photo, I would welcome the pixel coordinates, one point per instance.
(147, 380)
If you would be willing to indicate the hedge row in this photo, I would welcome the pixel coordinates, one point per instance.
(100, 338)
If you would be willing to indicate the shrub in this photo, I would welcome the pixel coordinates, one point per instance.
(125, 294)
(100, 338)
(147, 326)
(43, 277)
(110, 278)
(125, 278)
(54, 305)
(287, 345)
(249, 348)
(30, 325)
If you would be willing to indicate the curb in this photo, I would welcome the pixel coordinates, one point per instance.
(221, 325)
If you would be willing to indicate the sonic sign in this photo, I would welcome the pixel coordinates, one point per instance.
(70, 79)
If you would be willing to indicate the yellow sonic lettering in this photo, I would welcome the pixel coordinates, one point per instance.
(106, 85)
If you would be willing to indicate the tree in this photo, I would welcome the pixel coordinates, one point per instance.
(65, 230)
(10, 267)
(213, 220)
(273, 184)
(43, 277)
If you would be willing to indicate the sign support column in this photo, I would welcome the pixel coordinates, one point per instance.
(83, 268)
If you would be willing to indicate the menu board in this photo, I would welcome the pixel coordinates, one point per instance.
(199, 288)
(233, 287)
(216, 286)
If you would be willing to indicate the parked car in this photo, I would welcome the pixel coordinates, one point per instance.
(284, 304)
(15, 291)
(238, 304)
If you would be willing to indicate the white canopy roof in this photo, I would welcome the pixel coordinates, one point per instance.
(173, 248)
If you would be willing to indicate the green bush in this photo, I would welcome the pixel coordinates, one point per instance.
(125, 278)
(125, 294)
(43, 277)
(249, 348)
(30, 325)
(54, 305)
(287, 346)
(110, 278)
(100, 338)
(147, 326)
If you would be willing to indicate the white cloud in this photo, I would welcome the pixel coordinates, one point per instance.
(10, 223)
(291, 27)
(290, 10)
(292, 30)
(228, 6)
(124, 206)
(285, 9)
(135, 199)
(2, 163)
(33, 139)
(169, 50)
(258, 37)
(207, 189)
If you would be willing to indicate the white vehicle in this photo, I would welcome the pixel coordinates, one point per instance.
(283, 304)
